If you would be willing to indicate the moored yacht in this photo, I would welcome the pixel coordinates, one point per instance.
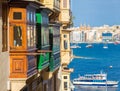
(89, 46)
(105, 46)
(75, 46)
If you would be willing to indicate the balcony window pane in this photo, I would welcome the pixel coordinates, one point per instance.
(17, 15)
(31, 36)
(17, 36)
(28, 35)
(34, 35)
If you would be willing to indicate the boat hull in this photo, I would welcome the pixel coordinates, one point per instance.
(97, 84)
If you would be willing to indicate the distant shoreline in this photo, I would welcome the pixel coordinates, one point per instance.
(92, 42)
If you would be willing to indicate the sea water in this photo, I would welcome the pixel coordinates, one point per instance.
(93, 60)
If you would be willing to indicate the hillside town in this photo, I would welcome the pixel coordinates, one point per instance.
(100, 34)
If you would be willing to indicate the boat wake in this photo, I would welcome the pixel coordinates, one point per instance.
(81, 57)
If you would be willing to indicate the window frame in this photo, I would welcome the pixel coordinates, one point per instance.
(12, 37)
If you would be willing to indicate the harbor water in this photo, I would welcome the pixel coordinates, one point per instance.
(93, 60)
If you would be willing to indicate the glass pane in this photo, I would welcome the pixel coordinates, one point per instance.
(17, 15)
(28, 35)
(17, 35)
(31, 17)
(28, 16)
(65, 85)
(65, 44)
(32, 36)
(65, 36)
(65, 77)
(42, 36)
(34, 18)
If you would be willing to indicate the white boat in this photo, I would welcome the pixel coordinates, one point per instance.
(105, 46)
(94, 80)
(72, 87)
(75, 46)
(89, 46)
(117, 42)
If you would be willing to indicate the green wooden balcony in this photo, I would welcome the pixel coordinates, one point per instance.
(43, 61)
(54, 62)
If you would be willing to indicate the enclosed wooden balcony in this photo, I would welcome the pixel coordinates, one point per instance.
(52, 4)
(43, 61)
(54, 62)
(23, 65)
(68, 70)
(64, 16)
(65, 47)
(65, 57)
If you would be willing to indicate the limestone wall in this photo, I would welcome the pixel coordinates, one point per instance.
(4, 66)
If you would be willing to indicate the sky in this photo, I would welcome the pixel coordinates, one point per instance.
(95, 12)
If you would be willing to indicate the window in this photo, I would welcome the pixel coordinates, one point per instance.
(45, 35)
(56, 39)
(65, 44)
(17, 15)
(65, 77)
(65, 86)
(31, 35)
(65, 36)
(17, 30)
(31, 29)
(64, 3)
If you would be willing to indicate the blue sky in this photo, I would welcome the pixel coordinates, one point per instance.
(96, 12)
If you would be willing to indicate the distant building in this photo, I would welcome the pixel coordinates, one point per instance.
(106, 37)
(95, 34)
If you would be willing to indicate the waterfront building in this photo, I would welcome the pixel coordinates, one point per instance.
(76, 36)
(116, 37)
(66, 56)
(30, 45)
(107, 37)
(54, 29)
(65, 18)
(95, 34)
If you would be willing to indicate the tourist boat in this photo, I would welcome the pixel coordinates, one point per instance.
(94, 80)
